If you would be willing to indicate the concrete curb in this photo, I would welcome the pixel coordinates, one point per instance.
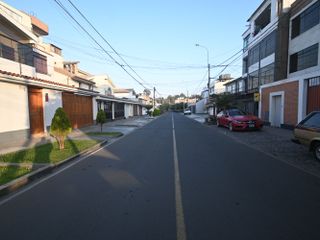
(28, 178)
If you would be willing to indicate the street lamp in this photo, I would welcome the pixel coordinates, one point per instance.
(208, 64)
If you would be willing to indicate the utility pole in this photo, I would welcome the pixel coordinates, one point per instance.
(209, 78)
(154, 98)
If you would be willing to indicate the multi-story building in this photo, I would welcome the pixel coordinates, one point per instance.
(264, 49)
(286, 102)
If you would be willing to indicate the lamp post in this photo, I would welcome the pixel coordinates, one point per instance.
(208, 64)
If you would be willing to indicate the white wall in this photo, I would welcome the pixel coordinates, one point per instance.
(94, 108)
(128, 110)
(50, 107)
(14, 67)
(200, 106)
(14, 109)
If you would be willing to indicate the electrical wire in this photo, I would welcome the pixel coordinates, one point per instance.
(92, 38)
(104, 39)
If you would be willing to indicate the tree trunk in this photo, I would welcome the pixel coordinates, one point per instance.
(60, 140)
(101, 126)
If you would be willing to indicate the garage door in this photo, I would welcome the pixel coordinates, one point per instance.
(78, 109)
(313, 94)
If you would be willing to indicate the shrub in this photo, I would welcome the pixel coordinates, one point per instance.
(60, 126)
(156, 112)
(101, 118)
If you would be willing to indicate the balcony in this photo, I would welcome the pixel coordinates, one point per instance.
(20, 58)
(262, 20)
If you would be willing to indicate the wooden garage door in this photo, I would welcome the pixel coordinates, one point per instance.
(35, 111)
(78, 109)
(313, 95)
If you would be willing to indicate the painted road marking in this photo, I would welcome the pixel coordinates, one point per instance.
(181, 226)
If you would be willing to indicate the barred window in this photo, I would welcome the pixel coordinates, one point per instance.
(314, 81)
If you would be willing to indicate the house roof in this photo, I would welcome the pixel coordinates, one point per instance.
(121, 90)
(82, 80)
(232, 81)
(45, 83)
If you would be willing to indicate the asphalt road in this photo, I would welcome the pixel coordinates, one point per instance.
(169, 181)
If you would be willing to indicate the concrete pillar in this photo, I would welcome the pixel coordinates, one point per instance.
(113, 116)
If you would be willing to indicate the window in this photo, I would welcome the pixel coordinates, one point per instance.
(241, 86)
(7, 52)
(26, 54)
(304, 59)
(268, 45)
(267, 74)
(245, 66)
(246, 42)
(306, 20)
(40, 63)
(254, 55)
(313, 121)
(253, 80)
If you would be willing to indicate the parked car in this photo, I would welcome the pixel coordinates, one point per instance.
(187, 112)
(307, 132)
(235, 119)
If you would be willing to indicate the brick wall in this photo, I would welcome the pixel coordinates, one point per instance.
(291, 94)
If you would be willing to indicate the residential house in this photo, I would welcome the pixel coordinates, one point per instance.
(287, 102)
(35, 80)
(117, 103)
(201, 104)
(218, 87)
(29, 92)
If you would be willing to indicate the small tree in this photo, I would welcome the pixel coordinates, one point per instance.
(101, 118)
(60, 126)
(148, 107)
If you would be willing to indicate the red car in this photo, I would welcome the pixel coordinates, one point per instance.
(235, 119)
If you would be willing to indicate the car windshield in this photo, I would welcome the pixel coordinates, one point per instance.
(236, 112)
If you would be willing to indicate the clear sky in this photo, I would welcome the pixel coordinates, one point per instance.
(157, 38)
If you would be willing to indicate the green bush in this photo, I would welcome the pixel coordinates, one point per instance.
(156, 112)
(60, 126)
(101, 118)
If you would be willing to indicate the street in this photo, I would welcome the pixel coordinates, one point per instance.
(171, 179)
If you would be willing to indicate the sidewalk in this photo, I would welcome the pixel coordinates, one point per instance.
(276, 142)
(124, 126)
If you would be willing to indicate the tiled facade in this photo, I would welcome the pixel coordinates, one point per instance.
(290, 108)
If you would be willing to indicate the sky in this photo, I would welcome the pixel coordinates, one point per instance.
(156, 38)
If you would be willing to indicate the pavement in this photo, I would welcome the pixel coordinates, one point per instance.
(124, 126)
(171, 179)
(275, 142)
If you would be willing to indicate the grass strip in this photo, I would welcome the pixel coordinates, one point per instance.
(10, 173)
(48, 153)
(109, 134)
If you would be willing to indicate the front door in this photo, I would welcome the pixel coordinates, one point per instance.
(35, 111)
(276, 111)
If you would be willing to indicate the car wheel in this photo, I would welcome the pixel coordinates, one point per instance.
(218, 124)
(316, 151)
(230, 126)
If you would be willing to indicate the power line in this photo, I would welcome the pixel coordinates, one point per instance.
(92, 38)
(103, 38)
